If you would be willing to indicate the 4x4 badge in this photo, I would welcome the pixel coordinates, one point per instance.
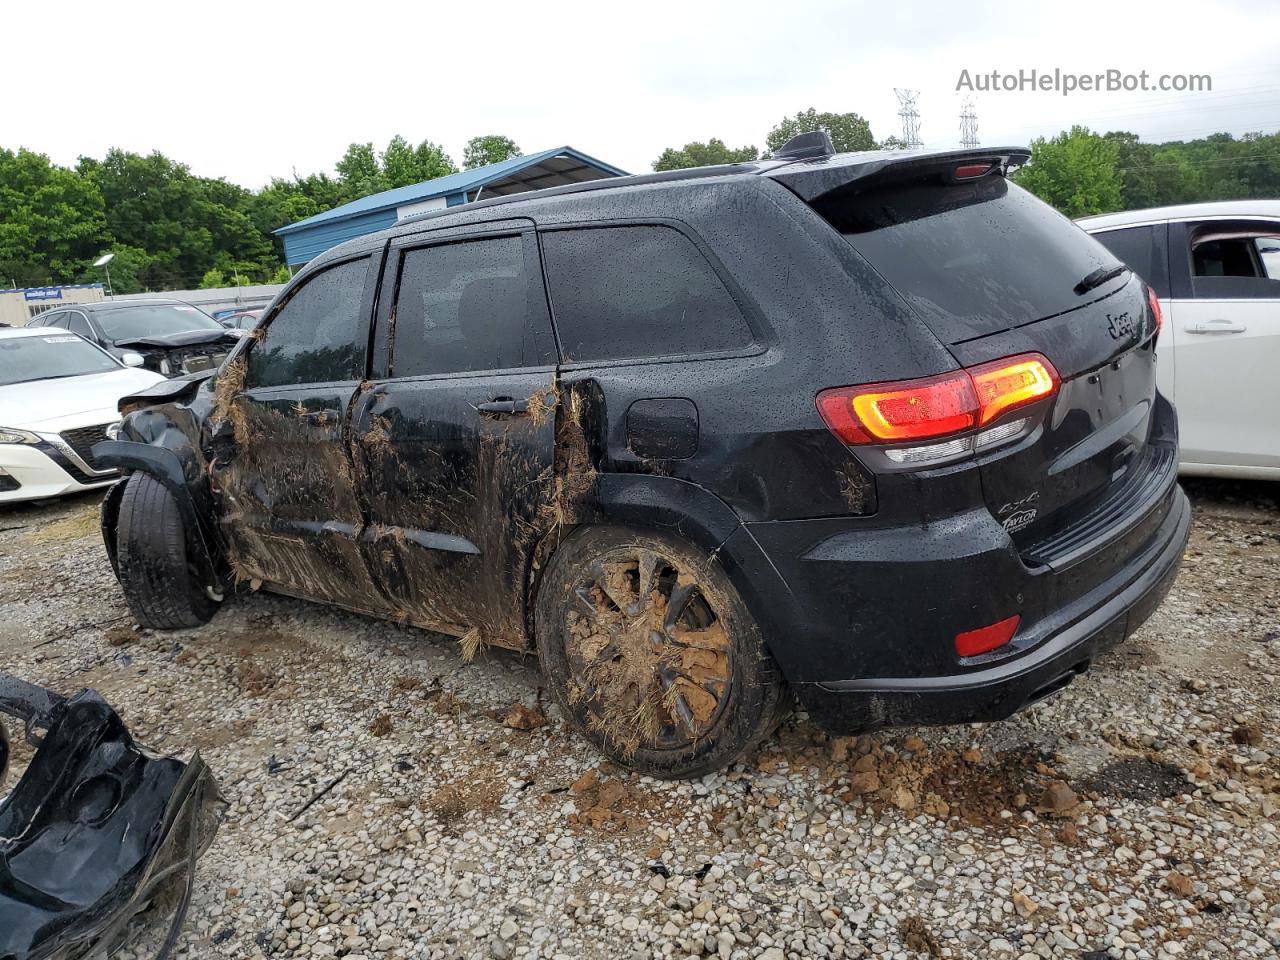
(1120, 326)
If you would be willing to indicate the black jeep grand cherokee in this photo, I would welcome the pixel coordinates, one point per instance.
(878, 430)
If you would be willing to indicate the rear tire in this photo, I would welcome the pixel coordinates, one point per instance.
(151, 556)
(651, 654)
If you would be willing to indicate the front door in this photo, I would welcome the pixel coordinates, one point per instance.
(1226, 346)
(456, 434)
(293, 516)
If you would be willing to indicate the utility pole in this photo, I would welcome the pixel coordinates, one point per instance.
(910, 116)
(968, 124)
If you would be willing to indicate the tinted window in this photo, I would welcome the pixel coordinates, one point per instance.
(153, 320)
(643, 291)
(972, 258)
(468, 306)
(1139, 249)
(315, 337)
(50, 320)
(79, 324)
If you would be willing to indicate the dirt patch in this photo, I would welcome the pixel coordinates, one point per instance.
(82, 523)
(916, 935)
(1138, 778)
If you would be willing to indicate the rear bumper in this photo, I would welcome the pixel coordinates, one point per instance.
(1112, 611)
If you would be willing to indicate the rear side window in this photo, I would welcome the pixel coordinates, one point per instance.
(1141, 249)
(642, 291)
(316, 336)
(466, 306)
(78, 323)
(972, 258)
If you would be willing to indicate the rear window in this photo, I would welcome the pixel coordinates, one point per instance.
(972, 258)
(645, 291)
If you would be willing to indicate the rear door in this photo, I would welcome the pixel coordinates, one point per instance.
(1224, 324)
(455, 434)
(293, 516)
(994, 273)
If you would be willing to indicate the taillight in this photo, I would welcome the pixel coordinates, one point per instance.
(935, 407)
(971, 171)
(1155, 309)
(971, 643)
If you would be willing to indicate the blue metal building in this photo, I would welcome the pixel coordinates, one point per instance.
(550, 168)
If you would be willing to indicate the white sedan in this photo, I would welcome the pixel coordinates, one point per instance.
(58, 395)
(1216, 269)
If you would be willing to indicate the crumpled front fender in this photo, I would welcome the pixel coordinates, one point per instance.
(98, 834)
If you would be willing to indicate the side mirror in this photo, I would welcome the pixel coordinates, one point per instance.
(132, 359)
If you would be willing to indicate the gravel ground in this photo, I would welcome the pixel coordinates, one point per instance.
(1135, 815)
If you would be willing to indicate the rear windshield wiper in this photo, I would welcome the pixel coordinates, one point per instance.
(1099, 277)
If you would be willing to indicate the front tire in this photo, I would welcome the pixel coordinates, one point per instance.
(652, 655)
(151, 557)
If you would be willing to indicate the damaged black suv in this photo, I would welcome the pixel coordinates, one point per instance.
(878, 431)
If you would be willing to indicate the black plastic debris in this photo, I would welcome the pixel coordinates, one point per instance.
(98, 839)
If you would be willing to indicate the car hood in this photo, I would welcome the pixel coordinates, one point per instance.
(54, 405)
(185, 339)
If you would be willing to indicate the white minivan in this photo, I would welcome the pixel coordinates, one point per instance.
(1216, 269)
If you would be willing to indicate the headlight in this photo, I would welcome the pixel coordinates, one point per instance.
(10, 435)
(112, 431)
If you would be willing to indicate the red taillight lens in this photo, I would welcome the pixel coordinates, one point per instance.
(1155, 309)
(936, 407)
(971, 643)
(970, 171)
(1006, 384)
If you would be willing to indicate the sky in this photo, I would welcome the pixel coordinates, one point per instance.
(251, 91)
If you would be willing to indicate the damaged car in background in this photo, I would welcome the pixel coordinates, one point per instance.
(99, 838)
(876, 431)
(172, 338)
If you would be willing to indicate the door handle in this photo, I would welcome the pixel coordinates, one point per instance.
(504, 407)
(1215, 326)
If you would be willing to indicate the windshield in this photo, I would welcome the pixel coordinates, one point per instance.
(23, 359)
(153, 320)
(973, 258)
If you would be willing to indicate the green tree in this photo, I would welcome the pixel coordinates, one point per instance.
(403, 165)
(52, 220)
(282, 275)
(699, 154)
(360, 171)
(482, 151)
(128, 268)
(848, 131)
(1075, 172)
(213, 279)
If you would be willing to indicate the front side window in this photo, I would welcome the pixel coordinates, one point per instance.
(467, 306)
(317, 336)
(79, 323)
(638, 291)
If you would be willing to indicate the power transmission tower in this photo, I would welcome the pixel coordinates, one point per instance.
(910, 118)
(968, 124)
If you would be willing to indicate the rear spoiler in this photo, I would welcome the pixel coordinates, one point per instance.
(810, 179)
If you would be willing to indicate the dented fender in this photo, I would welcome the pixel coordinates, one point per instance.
(167, 467)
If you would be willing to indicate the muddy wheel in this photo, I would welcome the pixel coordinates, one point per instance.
(151, 552)
(649, 651)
